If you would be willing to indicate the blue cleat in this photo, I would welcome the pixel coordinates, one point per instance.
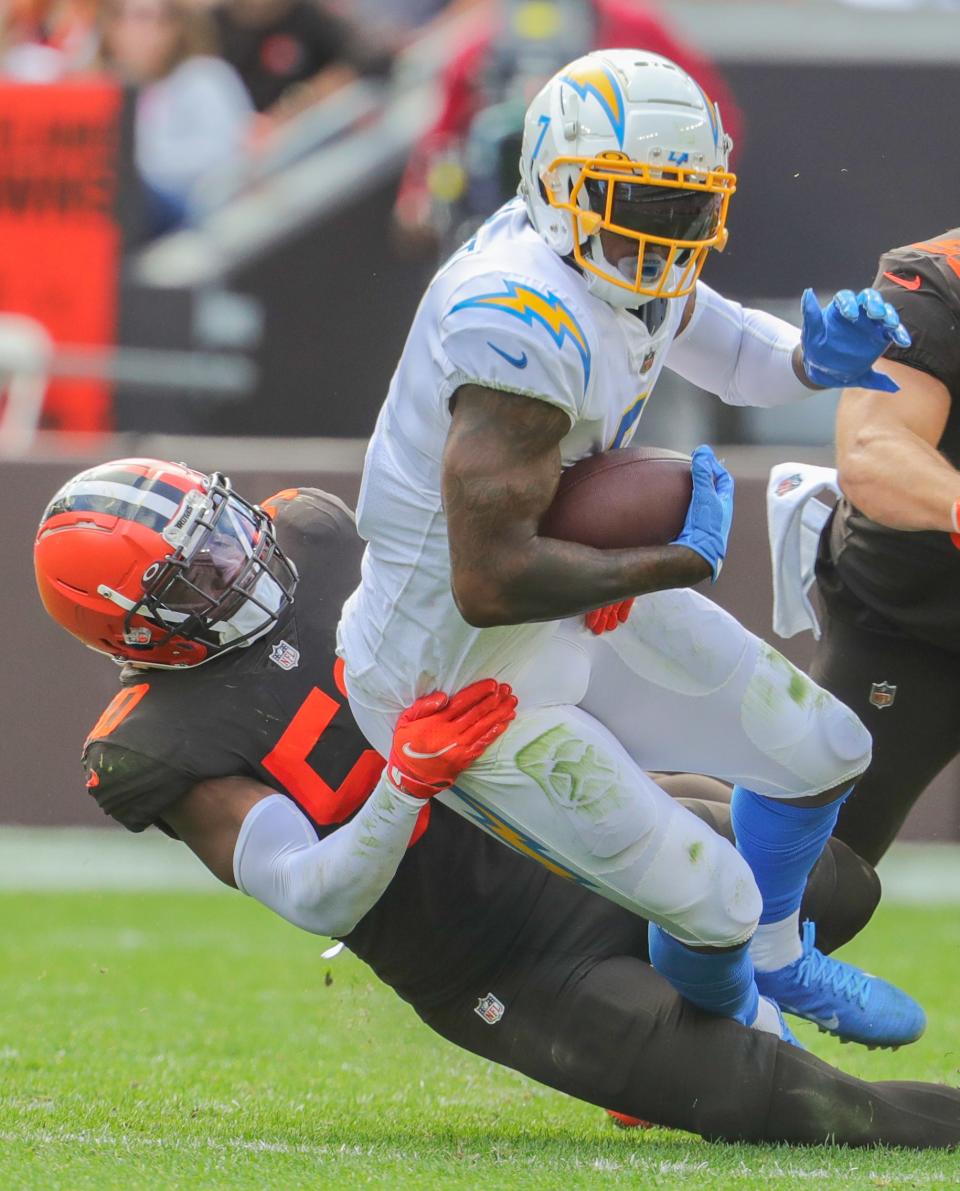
(842, 1000)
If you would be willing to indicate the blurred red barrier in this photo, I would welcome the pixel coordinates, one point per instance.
(59, 170)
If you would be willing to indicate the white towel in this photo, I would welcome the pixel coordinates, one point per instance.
(795, 518)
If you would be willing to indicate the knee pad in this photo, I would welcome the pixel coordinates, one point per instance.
(802, 727)
(610, 810)
(699, 887)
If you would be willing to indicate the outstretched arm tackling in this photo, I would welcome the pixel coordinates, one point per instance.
(263, 844)
(260, 842)
(887, 456)
(501, 467)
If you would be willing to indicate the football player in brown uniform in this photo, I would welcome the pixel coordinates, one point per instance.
(889, 561)
(231, 731)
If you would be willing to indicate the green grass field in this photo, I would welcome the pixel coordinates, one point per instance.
(187, 1040)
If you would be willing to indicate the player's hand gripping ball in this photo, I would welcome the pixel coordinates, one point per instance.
(710, 516)
(633, 496)
(438, 737)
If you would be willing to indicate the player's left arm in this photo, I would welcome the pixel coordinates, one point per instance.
(750, 357)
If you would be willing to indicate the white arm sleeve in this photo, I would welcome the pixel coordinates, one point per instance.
(744, 356)
(323, 885)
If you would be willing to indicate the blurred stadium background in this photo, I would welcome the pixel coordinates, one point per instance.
(211, 263)
(258, 334)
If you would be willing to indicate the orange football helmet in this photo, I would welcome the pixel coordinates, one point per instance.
(154, 563)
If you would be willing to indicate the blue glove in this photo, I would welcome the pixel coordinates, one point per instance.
(841, 342)
(710, 515)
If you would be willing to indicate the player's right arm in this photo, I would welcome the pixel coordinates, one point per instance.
(887, 457)
(260, 842)
(501, 467)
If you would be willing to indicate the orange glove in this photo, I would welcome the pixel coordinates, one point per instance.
(438, 737)
(608, 618)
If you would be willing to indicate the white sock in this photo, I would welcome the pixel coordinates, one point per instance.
(776, 944)
(767, 1019)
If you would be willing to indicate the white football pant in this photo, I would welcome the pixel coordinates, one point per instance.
(680, 687)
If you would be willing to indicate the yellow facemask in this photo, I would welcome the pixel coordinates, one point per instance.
(667, 265)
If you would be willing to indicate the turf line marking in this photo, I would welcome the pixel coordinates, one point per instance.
(133, 1141)
(761, 1169)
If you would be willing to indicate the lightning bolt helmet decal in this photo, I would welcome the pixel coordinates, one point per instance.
(603, 86)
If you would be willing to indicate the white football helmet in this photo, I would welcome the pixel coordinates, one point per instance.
(625, 141)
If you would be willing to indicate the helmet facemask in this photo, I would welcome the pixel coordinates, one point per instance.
(224, 583)
(674, 215)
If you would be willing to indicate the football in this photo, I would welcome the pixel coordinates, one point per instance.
(632, 496)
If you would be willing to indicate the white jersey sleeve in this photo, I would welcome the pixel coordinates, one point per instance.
(507, 333)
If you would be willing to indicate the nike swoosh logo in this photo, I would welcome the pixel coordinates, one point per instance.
(902, 281)
(825, 1023)
(517, 361)
(409, 752)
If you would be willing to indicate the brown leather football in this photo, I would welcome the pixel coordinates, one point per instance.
(633, 496)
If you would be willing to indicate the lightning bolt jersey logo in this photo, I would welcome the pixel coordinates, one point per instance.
(603, 86)
(531, 306)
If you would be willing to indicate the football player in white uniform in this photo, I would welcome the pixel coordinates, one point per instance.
(537, 344)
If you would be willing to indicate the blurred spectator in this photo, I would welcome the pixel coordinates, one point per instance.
(396, 22)
(42, 40)
(193, 113)
(466, 165)
(290, 53)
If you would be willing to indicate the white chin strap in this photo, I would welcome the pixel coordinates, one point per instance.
(249, 618)
(609, 291)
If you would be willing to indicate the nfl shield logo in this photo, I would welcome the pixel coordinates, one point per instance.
(882, 694)
(787, 484)
(285, 656)
(490, 1009)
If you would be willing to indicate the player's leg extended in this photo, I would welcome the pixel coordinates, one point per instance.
(571, 1007)
(722, 701)
(907, 694)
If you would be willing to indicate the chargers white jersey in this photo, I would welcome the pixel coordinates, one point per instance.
(507, 313)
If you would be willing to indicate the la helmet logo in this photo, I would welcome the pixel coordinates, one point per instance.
(490, 1008)
(285, 656)
(788, 483)
(882, 694)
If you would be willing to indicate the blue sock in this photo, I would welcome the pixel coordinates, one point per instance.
(719, 981)
(781, 843)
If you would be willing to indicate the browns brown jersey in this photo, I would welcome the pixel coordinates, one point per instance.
(277, 712)
(894, 581)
